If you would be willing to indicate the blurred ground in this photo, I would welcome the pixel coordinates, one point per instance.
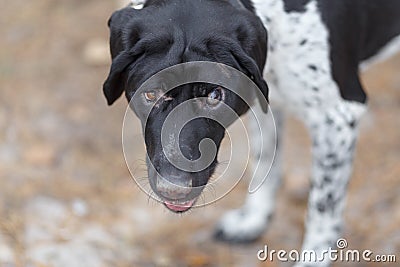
(66, 197)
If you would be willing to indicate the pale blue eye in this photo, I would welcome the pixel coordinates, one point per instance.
(215, 96)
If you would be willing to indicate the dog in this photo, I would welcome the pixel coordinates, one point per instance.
(316, 49)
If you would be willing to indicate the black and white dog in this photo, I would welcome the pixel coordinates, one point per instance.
(315, 51)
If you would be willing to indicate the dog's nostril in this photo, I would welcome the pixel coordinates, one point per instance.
(174, 187)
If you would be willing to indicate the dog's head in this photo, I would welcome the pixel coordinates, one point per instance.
(165, 33)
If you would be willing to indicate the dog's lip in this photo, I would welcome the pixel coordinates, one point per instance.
(178, 206)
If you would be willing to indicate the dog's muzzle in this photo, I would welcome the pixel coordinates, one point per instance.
(176, 192)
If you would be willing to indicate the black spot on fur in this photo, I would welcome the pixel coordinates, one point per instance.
(328, 204)
(331, 202)
(337, 229)
(327, 179)
(331, 166)
(321, 207)
(331, 156)
(312, 67)
(296, 6)
(272, 48)
(303, 42)
(329, 121)
(307, 104)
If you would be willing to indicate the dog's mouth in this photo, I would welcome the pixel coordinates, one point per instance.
(178, 206)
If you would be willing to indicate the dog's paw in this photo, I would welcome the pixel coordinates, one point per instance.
(241, 226)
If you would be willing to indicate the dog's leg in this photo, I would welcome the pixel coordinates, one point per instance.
(334, 134)
(250, 221)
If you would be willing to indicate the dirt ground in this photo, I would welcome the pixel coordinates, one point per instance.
(67, 198)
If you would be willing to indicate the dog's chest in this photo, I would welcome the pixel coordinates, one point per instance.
(298, 65)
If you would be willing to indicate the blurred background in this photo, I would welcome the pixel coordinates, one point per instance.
(67, 198)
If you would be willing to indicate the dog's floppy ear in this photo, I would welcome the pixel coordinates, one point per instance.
(251, 54)
(117, 24)
(121, 57)
(114, 86)
(255, 72)
(254, 69)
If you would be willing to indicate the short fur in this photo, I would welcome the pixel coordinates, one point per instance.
(315, 49)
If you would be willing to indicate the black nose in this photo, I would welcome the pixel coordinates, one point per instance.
(174, 187)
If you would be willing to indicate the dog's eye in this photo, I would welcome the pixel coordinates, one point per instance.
(150, 96)
(215, 96)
